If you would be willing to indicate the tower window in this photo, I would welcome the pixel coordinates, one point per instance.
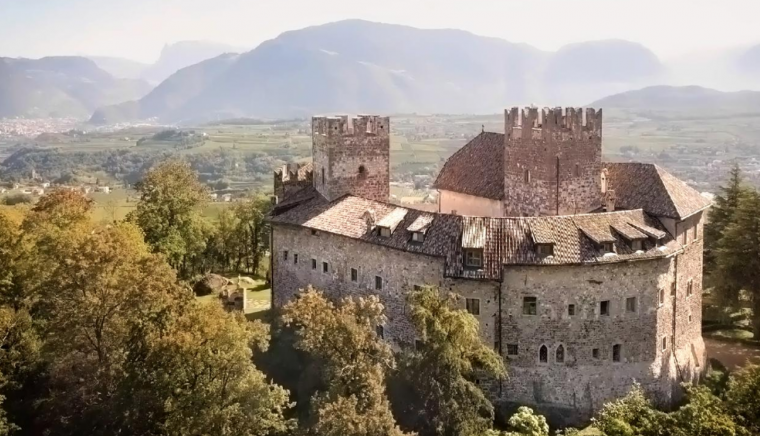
(595, 353)
(543, 354)
(295, 258)
(571, 309)
(529, 305)
(314, 264)
(527, 176)
(616, 350)
(604, 308)
(285, 255)
(362, 171)
(577, 170)
(354, 275)
(630, 304)
(559, 354)
(662, 297)
(664, 343)
(689, 287)
(325, 267)
(323, 176)
(378, 283)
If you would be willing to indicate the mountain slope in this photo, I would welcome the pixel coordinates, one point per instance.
(60, 86)
(119, 67)
(684, 101)
(175, 57)
(360, 66)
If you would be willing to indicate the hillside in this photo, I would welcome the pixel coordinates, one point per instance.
(60, 87)
(175, 57)
(682, 102)
(360, 66)
(120, 67)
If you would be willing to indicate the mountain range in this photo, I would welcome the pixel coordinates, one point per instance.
(60, 87)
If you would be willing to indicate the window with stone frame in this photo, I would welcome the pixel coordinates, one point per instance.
(325, 267)
(530, 305)
(473, 305)
(512, 349)
(595, 353)
(313, 263)
(571, 309)
(662, 297)
(285, 255)
(473, 258)
(378, 283)
(354, 275)
(664, 343)
(559, 354)
(617, 351)
(543, 354)
(604, 308)
(630, 304)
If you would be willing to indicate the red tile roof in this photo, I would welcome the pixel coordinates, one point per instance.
(476, 169)
(649, 187)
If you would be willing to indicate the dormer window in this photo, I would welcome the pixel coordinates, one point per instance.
(473, 258)
(608, 247)
(385, 232)
(418, 237)
(545, 250)
(637, 244)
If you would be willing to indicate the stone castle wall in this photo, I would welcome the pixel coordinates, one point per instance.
(352, 156)
(553, 161)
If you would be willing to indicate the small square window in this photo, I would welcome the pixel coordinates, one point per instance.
(545, 250)
(664, 343)
(285, 255)
(616, 351)
(473, 305)
(295, 258)
(314, 264)
(595, 353)
(380, 330)
(512, 349)
(354, 275)
(385, 232)
(530, 305)
(378, 283)
(630, 304)
(314, 232)
(474, 258)
(604, 308)
(571, 309)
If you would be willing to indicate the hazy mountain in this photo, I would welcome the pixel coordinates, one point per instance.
(682, 102)
(359, 66)
(120, 67)
(175, 57)
(60, 86)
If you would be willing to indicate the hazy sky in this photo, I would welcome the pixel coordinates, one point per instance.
(138, 29)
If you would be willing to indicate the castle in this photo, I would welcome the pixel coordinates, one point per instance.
(584, 275)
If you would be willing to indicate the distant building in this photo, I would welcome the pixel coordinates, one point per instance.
(213, 196)
(104, 189)
(227, 197)
(45, 185)
(586, 276)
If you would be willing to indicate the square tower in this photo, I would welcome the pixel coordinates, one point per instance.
(553, 161)
(351, 156)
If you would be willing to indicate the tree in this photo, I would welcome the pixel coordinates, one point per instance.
(704, 414)
(738, 255)
(355, 363)
(252, 233)
(527, 423)
(632, 415)
(170, 195)
(743, 397)
(442, 396)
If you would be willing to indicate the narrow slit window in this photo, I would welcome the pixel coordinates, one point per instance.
(378, 283)
(354, 275)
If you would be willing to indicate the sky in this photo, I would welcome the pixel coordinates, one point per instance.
(138, 29)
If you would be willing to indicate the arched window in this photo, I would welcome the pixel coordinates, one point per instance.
(543, 354)
(362, 171)
(604, 180)
(559, 355)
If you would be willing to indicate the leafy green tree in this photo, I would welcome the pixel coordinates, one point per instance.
(527, 423)
(738, 256)
(743, 397)
(704, 414)
(632, 415)
(167, 212)
(252, 233)
(442, 397)
(355, 363)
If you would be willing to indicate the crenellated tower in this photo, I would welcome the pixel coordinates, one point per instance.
(351, 156)
(291, 178)
(553, 161)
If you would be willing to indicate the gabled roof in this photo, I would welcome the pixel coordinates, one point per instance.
(504, 241)
(649, 187)
(476, 169)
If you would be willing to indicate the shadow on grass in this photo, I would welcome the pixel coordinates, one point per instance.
(262, 315)
(259, 287)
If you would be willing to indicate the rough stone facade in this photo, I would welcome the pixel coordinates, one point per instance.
(291, 178)
(352, 156)
(552, 161)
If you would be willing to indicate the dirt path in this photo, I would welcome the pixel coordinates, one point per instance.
(732, 354)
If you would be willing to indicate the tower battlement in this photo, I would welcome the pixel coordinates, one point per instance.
(292, 177)
(567, 123)
(342, 125)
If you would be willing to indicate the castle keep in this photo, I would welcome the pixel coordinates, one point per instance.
(585, 276)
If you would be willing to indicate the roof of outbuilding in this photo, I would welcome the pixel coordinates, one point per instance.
(476, 169)
(504, 241)
(649, 187)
